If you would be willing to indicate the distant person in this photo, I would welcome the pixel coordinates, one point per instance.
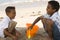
(10, 15)
(51, 20)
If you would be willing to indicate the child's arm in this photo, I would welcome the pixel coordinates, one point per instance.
(35, 22)
(9, 34)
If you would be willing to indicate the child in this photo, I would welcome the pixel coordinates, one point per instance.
(51, 20)
(11, 13)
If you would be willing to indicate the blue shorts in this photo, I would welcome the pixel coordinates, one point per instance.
(56, 33)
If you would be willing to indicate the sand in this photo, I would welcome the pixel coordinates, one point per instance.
(40, 35)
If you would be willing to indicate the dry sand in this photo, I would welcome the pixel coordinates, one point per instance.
(40, 35)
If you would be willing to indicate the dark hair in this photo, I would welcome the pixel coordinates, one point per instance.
(9, 8)
(54, 4)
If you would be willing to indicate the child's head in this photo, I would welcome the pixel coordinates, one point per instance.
(53, 6)
(10, 12)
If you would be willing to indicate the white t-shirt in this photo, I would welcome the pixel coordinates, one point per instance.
(55, 17)
(4, 24)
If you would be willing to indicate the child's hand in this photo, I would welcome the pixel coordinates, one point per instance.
(30, 28)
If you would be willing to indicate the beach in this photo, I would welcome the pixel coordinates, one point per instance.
(27, 12)
(40, 35)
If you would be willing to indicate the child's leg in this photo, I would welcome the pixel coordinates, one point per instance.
(15, 34)
(48, 26)
(8, 34)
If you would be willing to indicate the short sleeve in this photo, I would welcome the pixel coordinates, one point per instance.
(46, 16)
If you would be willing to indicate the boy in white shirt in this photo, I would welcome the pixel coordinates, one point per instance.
(51, 20)
(11, 13)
